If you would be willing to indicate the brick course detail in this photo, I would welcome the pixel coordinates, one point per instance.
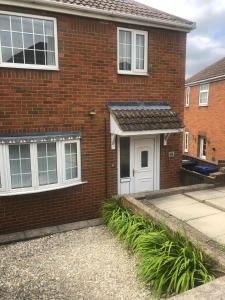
(45, 101)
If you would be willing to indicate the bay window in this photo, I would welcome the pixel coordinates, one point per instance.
(28, 41)
(34, 165)
(132, 51)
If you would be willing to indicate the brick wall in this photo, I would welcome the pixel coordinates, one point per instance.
(208, 121)
(37, 101)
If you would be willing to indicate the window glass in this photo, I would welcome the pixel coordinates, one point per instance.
(26, 40)
(187, 96)
(186, 141)
(144, 159)
(20, 166)
(125, 47)
(71, 161)
(124, 157)
(47, 163)
(16, 23)
(140, 50)
(202, 147)
(203, 94)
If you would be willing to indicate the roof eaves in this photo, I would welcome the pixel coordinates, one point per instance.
(74, 9)
(205, 80)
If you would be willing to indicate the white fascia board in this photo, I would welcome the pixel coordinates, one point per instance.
(115, 129)
(208, 80)
(73, 9)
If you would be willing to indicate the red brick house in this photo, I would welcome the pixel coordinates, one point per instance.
(204, 114)
(91, 105)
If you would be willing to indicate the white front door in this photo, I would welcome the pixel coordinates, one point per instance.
(143, 171)
(139, 164)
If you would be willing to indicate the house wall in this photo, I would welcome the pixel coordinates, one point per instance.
(207, 121)
(37, 101)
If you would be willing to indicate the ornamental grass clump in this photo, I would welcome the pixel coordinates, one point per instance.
(167, 261)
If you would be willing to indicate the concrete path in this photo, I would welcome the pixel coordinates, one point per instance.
(204, 210)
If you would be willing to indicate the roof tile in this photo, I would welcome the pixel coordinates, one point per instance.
(214, 70)
(129, 7)
(145, 116)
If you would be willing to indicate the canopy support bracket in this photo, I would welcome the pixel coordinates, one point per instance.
(113, 142)
(165, 138)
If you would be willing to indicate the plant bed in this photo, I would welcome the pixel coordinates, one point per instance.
(167, 261)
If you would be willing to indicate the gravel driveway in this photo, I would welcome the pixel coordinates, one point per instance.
(82, 264)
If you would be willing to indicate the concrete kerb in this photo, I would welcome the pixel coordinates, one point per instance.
(172, 191)
(209, 247)
(210, 291)
(41, 232)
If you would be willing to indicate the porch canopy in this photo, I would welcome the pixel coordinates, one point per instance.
(143, 118)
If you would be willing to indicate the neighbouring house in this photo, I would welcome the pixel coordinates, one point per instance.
(90, 106)
(204, 135)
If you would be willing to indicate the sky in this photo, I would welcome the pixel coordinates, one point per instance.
(206, 44)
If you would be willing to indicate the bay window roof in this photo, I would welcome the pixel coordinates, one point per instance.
(38, 137)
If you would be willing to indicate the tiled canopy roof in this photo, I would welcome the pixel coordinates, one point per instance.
(127, 7)
(214, 70)
(139, 116)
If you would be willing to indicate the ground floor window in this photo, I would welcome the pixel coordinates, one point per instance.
(36, 166)
(202, 147)
(186, 141)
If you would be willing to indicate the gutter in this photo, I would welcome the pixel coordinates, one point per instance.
(216, 78)
(79, 10)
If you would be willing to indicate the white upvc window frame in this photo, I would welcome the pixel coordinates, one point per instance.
(134, 70)
(33, 66)
(186, 141)
(78, 179)
(187, 96)
(201, 146)
(203, 88)
(6, 189)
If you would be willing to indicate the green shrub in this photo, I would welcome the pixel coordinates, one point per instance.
(167, 261)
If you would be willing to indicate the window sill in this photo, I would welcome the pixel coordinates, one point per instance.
(132, 73)
(29, 67)
(203, 105)
(47, 189)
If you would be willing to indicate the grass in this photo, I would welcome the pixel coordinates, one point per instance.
(167, 261)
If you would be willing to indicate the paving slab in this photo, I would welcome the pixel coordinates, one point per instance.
(220, 189)
(218, 202)
(206, 194)
(193, 211)
(213, 226)
(171, 201)
(221, 239)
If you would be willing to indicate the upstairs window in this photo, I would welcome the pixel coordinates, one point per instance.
(28, 41)
(187, 96)
(132, 51)
(203, 94)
